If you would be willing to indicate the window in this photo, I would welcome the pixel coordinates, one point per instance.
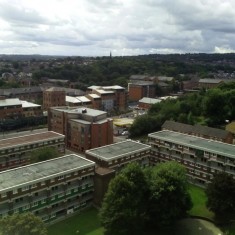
(35, 204)
(43, 201)
(15, 191)
(4, 195)
(52, 180)
(26, 207)
(25, 188)
(61, 177)
(34, 186)
(43, 183)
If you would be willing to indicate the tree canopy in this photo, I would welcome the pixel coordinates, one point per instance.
(22, 224)
(138, 199)
(124, 207)
(43, 154)
(211, 108)
(221, 195)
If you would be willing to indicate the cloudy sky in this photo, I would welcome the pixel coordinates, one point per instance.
(125, 27)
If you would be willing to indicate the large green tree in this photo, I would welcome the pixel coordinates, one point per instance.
(43, 154)
(22, 224)
(169, 197)
(124, 207)
(139, 200)
(221, 195)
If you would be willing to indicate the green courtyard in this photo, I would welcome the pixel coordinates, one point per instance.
(87, 222)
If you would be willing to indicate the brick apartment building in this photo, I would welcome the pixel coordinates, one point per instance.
(31, 94)
(84, 128)
(53, 97)
(112, 158)
(51, 189)
(200, 131)
(201, 157)
(17, 151)
(141, 89)
(112, 97)
(10, 108)
(13, 108)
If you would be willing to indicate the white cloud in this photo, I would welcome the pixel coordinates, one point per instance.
(96, 27)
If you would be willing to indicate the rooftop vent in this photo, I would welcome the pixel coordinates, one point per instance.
(84, 111)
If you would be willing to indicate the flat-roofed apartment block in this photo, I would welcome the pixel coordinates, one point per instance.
(112, 97)
(141, 89)
(112, 158)
(84, 128)
(200, 131)
(53, 97)
(51, 189)
(10, 108)
(201, 157)
(15, 152)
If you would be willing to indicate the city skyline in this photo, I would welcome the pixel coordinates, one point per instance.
(125, 27)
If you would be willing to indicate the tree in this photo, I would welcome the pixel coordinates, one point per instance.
(169, 197)
(43, 154)
(124, 207)
(22, 224)
(220, 193)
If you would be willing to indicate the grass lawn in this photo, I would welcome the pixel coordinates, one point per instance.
(198, 196)
(86, 223)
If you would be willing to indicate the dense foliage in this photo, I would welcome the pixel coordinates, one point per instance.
(138, 200)
(22, 224)
(212, 108)
(43, 154)
(221, 195)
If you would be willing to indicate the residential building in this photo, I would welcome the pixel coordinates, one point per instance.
(31, 94)
(53, 97)
(95, 100)
(78, 101)
(212, 82)
(84, 128)
(31, 109)
(17, 151)
(112, 97)
(146, 103)
(141, 89)
(51, 189)
(14, 108)
(10, 108)
(112, 158)
(199, 130)
(201, 157)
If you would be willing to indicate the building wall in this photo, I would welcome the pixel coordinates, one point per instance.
(144, 105)
(79, 136)
(200, 165)
(53, 198)
(13, 157)
(53, 99)
(11, 111)
(135, 92)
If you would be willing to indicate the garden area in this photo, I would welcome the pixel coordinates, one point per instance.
(87, 222)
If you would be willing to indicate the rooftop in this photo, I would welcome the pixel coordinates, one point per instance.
(117, 150)
(37, 172)
(26, 104)
(80, 110)
(207, 145)
(147, 100)
(28, 139)
(72, 99)
(196, 129)
(10, 102)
